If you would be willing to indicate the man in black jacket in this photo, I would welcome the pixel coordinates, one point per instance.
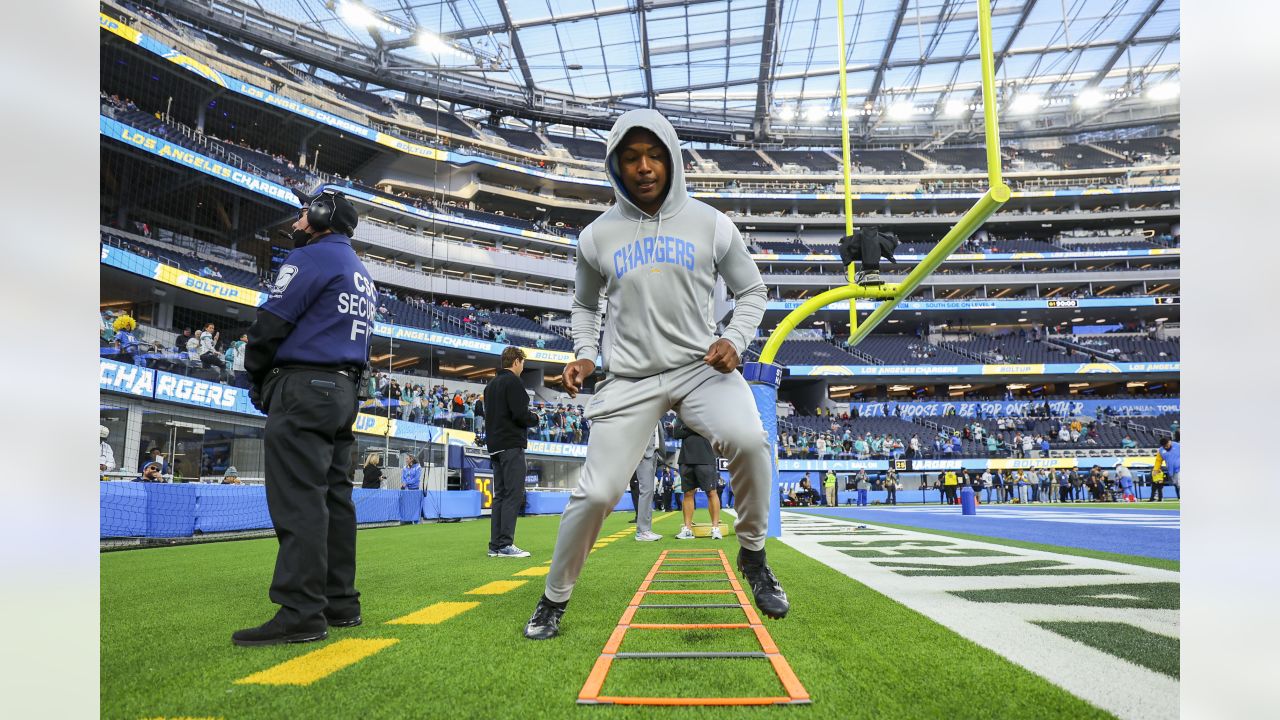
(697, 470)
(507, 421)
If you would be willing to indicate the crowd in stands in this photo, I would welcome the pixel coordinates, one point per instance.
(1024, 345)
(980, 243)
(174, 255)
(461, 410)
(1031, 434)
(258, 161)
(500, 325)
(203, 352)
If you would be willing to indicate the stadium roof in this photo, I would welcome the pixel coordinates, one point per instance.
(766, 67)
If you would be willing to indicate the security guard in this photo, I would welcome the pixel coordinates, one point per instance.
(305, 356)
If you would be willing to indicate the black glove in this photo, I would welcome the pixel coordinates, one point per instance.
(867, 245)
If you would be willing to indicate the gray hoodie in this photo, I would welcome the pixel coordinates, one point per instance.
(658, 272)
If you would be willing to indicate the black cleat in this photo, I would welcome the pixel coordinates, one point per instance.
(274, 632)
(545, 623)
(771, 599)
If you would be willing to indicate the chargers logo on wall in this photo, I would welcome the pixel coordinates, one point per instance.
(128, 379)
(190, 391)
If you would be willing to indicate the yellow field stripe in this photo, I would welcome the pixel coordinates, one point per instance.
(434, 614)
(497, 587)
(306, 669)
(536, 571)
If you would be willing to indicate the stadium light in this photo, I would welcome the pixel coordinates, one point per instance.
(1090, 97)
(815, 113)
(1164, 91)
(901, 110)
(955, 108)
(786, 113)
(433, 44)
(1026, 103)
(357, 15)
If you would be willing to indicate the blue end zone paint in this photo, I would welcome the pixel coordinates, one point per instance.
(1129, 538)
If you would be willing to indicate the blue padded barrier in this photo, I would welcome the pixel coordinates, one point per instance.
(376, 505)
(546, 503)
(222, 508)
(122, 509)
(624, 503)
(171, 509)
(451, 504)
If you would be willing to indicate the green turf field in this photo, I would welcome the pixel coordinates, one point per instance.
(167, 616)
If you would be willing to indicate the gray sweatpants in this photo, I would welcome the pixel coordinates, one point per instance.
(718, 406)
(645, 473)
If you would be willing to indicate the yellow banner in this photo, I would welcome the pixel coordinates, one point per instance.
(1098, 368)
(372, 425)
(213, 288)
(409, 147)
(1064, 463)
(115, 27)
(462, 436)
(555, 356)
(1031, 369)
(1032, 463)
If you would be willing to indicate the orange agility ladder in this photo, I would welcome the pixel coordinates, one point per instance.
(590, 695)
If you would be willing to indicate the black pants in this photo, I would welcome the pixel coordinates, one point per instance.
(508, 496)
(1157, 492)
(635, 495)
(308, 443)
(893, 496)
(951, 493)
(213, 360)
(1064, 493)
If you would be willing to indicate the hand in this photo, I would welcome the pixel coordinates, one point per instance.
(575, 373)
(722, 356)
(255, 397)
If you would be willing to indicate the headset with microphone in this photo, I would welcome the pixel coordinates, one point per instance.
(332, 211)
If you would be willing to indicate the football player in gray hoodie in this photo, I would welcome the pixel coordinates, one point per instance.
(655, 256)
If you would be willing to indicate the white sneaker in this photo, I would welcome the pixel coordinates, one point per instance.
(647, 536)
(685, 533)
(715, 533)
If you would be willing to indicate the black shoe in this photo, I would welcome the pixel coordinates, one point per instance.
(632, 521)
(868, 277)
(274, 632)
(545, 623)
(343, 621)
(771, 599)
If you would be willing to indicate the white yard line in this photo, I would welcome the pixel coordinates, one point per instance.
(1129, 691)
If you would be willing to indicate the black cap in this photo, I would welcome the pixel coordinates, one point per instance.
(329, 210)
